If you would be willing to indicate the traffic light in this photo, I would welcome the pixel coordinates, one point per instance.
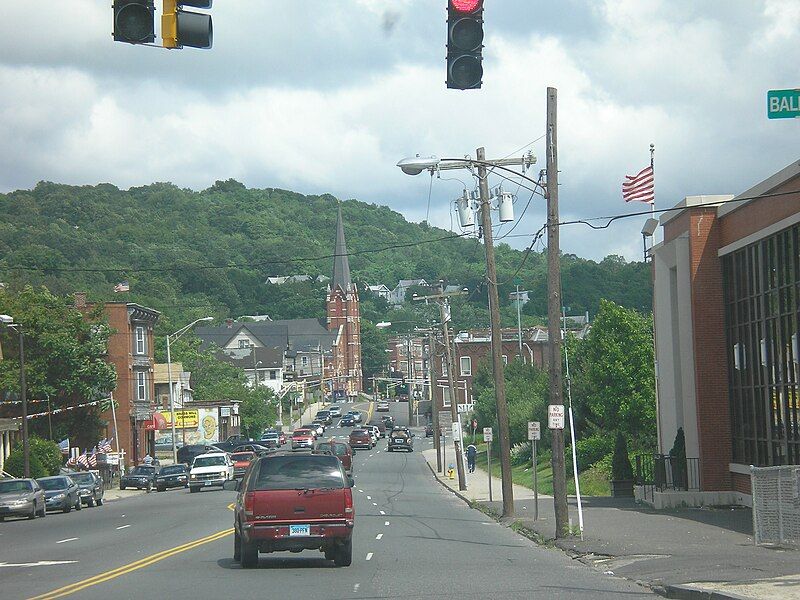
(181, 27)
(134, 21)
(464, 44)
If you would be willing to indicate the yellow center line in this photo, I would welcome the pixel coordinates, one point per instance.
(129, 568)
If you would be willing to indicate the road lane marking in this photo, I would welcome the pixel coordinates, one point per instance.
(383, 513)
(129, 568)
(369, 497)
(123, 526)
(41, 563)
(387, 522)
(374, 504)
(379, 536)
(66, 540)
(362, 491)
(356, 586)
(369, 555)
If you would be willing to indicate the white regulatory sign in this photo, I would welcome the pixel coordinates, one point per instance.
(488, 434)
(534, 430)
(457, 431)
(555, 416)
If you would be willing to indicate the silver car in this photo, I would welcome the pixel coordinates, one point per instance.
(61, 493)
(21, 497)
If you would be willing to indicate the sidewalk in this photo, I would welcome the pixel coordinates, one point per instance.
(682, 553)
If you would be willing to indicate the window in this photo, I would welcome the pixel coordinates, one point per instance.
(141, 386)
(273, 374)
(446, 397)
(304, 361)
(245, 343)
(141, 347)
(466, 365)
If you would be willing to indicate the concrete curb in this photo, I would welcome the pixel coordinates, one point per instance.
(447, 487)
(687, 592)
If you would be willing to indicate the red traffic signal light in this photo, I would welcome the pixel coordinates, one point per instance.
(466, 5)
(464, 44)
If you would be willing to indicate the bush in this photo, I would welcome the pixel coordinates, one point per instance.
(593, 449)
(521, 453)
(48, 453)
(621, 469)
(15, 464)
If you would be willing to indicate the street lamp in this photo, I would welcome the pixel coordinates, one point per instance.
(175, 336)
(8, 321)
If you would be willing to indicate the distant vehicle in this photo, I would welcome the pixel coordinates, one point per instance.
(186, 454)
(272, 436)
(212, 469)
(320, 516)
(383, 406)
(347, 421)
(302, 438)
(91, 487)
(21, 497)
(317, 428)
(60, 493)
(361, 438)
(172, 476)
(141, 478)
(319, 425)
(429, 430)
(335, 410)
(401, 439)
(356, 415)
(253, 447)
(339, 449)
(324, 416)
(271, 443)
(241, 460)
(381, 428)
(387, 420)
(376, 432)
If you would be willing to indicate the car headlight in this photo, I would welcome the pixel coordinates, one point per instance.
(19, 502)
(193, 476)
(223, 473)
(58, 497)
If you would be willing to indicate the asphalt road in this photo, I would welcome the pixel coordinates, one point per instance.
(413, 539)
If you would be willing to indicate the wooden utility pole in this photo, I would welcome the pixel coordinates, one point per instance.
(497, 340)
(451, 385)
(554, 316)
(437, 436)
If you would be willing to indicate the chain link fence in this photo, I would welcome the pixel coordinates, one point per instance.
(776, 504)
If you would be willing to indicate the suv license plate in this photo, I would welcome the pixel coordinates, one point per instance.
(299, 530)
(207, 483)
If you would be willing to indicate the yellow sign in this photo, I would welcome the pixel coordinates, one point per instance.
(184, 419)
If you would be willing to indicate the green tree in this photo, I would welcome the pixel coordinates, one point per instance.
(613, 377)
(257, 411)
(48, 454)
(373, 351)
(15, 464)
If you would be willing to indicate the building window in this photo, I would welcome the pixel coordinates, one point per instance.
(245, 343)
(444, 368)
(466, 366)
(304, 361)
(141, 346)
(762, 286)
(273, 374)
(141, 386)
(446, 401)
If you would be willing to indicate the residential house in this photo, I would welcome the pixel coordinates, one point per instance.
(380, 290)
(398, 295)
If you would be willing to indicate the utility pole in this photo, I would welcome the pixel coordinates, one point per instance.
(437, 437)
(554, 316)
(410, 382)
(462, 481)
(497, 340)
(23, 392)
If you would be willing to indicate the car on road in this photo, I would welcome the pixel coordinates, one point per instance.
(186, 454)
(381, 428)
(429, 430)
(339, 449)
(324, 416)
(253, 447)
(91, 487)
(270, 438)
(294, 502)
(302, 438)
(212, 469)
(382, 406)
(319, 425)
(388, 421)
(21, 497)
(172, 476)
(361, 438)
(60, 493)
(401, 439)
(347, 421)
(241, 460)
(356, 415)
(141, 477)
(316, 427)
(335, 410)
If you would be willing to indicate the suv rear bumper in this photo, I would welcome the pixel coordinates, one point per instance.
(272, 538)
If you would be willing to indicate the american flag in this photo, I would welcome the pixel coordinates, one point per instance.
(640, 187)
(83, 460)
(92, 459)
(122, 286)
(104, 445)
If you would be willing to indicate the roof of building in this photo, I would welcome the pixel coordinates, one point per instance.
(294, 335)
(249, 358)
(341, 264)
(764, 187)
(409, 282)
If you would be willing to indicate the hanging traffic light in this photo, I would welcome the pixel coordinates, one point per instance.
(134, 21)
(181, 27)
(464, 44)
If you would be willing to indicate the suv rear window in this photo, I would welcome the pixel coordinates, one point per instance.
(298, 472)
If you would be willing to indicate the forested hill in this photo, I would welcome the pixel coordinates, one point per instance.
(190, 253)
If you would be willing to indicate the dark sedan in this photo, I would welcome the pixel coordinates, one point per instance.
(141, 478)
(60, 493)
(400, 439)
(91, 487)
(172, 476)
(347, 421)
(21, 497)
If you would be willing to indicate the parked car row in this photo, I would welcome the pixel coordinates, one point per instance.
(34, 497)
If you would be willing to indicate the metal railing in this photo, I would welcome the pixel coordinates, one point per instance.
(661, 472)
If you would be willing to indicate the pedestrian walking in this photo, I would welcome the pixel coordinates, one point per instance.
(472, 453)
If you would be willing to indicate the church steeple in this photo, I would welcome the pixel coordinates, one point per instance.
(341, 265)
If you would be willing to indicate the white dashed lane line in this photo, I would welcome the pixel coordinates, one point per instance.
(379, 536)
(123, 526)
(374, 504)
(383, 513)
(369, 555)
(387, 522)
(66, 540)
(370, 497)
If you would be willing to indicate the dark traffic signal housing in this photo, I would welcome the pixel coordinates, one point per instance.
(134, 21)
(464, 44)
(181, 27)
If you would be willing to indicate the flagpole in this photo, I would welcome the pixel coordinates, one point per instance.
(652, 166)
(655, 346)
(114, 418)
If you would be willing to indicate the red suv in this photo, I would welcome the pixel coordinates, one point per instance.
(294, 502)
(339, 449)
(360, 438)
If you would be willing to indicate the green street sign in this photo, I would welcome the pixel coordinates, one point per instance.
(783, 104)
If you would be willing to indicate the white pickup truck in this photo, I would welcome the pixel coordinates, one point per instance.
(212, 469)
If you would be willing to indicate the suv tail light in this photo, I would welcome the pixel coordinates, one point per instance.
(348, 501)
(249, 501)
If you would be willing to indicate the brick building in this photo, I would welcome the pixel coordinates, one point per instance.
(726, 289)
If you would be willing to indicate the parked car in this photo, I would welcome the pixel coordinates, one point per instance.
(324, 416)
(429, 430)
(335, 410)
(401, 439)
(253, 447)
(21, 497)
(91, 487)
(60, 493)
(361, 438)
(339, 449)
(347, 421)
(383, 406)
(187, 454)
(241, 460)
(212, 469)
(302, 438)
(141, 477)
(172, 476)
(271, 516)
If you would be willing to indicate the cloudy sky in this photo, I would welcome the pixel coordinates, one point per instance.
(326, 96)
